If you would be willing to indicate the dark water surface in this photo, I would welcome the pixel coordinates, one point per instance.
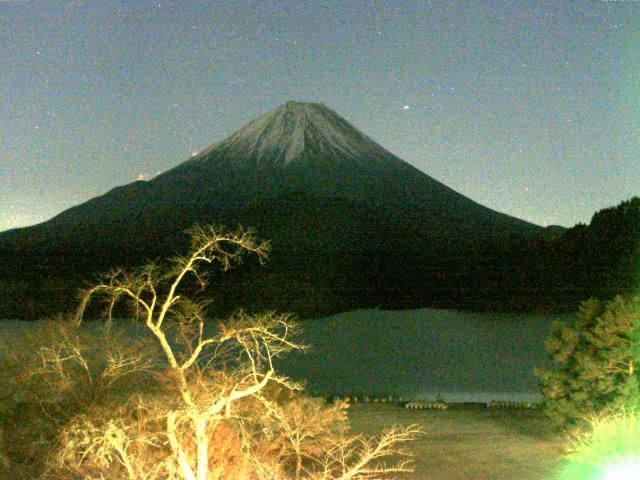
(422, 354)
(415, 354)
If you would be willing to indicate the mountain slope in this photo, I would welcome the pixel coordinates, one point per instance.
(335, 204)
(299, 147)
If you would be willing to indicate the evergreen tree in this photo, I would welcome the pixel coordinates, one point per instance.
(597, 361)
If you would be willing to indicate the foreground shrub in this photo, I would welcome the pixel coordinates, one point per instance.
(596, 359)
(53, 371)
(200, 403)
(610, 450)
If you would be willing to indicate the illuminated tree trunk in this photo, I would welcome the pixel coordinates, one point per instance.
(202, 442)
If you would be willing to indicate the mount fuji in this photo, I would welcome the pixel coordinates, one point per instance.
(351, 224)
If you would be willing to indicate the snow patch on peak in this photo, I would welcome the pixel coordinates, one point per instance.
(298, 130)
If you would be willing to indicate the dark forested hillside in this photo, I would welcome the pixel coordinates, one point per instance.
(553, 272)
(600, 260)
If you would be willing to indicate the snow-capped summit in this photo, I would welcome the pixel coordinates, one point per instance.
(350, 224)
(296, 132)
(297, 149)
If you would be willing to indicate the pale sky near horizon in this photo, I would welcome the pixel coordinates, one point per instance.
(529, 108)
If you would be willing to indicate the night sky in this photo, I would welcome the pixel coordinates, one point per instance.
(529, 108)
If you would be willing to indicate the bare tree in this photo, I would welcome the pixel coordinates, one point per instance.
(53, 372)
(208, 375)
(250, 343)
(360, 458)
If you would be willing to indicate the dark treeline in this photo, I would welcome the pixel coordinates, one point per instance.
(556, 272)
(550, 273)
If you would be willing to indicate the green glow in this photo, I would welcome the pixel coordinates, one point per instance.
(621, 469)
(610, 451)
(626, 470)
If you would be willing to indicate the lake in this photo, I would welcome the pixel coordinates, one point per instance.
(423, 354)
(417, 354)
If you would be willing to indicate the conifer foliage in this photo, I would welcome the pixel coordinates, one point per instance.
(597, 361)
